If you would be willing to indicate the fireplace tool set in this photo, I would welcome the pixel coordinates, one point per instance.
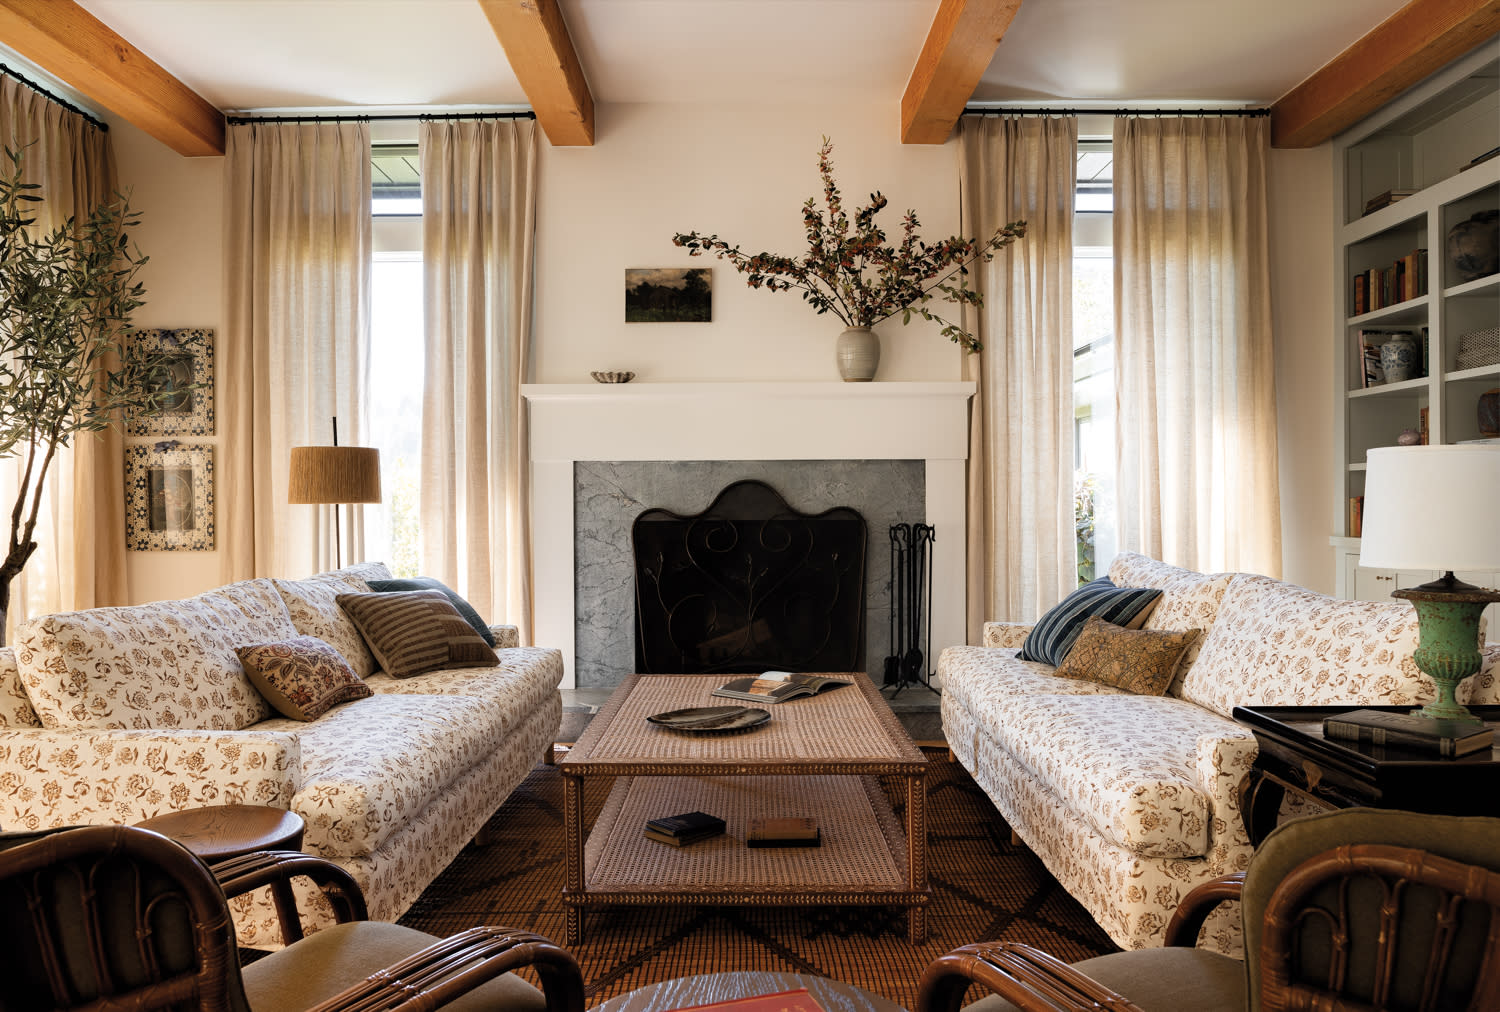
(911, 607)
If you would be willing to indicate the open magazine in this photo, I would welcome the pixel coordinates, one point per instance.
(776, 686)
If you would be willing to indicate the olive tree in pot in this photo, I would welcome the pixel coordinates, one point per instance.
(67, 365)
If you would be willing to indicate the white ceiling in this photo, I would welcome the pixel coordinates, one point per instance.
(321, 54)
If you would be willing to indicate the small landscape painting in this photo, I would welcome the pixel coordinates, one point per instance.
(668, 295)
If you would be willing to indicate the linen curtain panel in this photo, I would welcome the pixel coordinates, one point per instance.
(80, 559)
(295, 351)
(1196, 437)
(478, 213)
(1021, 541)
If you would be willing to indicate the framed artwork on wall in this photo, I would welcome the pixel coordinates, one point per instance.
(668, 295)
(187, 388)
(169, 497)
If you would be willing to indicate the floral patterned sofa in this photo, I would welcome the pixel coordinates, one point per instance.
(114, 715)
(1131, 800)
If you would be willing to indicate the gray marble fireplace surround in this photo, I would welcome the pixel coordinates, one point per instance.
(609, 495)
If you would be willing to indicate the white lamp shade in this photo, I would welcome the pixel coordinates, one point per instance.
(1432, 507)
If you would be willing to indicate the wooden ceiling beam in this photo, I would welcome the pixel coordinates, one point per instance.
(536, 43)
(77, 48)
(1412, 43)
(959, 47)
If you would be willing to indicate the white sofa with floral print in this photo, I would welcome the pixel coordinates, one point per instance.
(114, 715)
(1131, 801)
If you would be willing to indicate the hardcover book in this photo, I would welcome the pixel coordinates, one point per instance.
(777, 686)
(1410, 731)
(783, 831)
(693, 824)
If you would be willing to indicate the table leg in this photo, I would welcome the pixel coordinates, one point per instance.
(1260, 804)
(573, 849)
(916, 855)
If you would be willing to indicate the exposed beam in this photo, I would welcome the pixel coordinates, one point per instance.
(77, 48)
(536, 43)
(959, 47)
(1418, 39)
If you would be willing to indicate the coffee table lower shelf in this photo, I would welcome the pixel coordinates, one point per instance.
(862, 860)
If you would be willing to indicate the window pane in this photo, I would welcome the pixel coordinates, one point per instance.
(396, 371)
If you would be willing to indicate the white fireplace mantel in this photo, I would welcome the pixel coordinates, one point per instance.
(743, 421)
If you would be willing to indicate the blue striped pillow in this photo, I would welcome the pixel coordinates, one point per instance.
(1054, 633)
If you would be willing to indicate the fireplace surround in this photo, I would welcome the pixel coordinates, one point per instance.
(573, 428)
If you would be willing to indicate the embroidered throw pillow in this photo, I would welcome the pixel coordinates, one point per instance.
(1141, 661)
(303, 677)
(1052, 637)
(414, 631)
(428, 583)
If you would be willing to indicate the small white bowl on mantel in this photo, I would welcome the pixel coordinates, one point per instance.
(612, 377)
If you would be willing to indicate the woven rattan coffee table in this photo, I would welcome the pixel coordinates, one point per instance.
(818, 756)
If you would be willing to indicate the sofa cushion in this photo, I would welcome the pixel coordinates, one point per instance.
(1275, 643)
(428, 583)
(1126, 764)
(314, 608)
(1054, 633)
(1189, 600)
(170, 664)
(370, 767)
(524, 678)
(1141, 661)
(303, 677)
(979, 677)
(415, 631)
(15, 705)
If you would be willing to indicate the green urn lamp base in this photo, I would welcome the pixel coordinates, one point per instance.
(1448, 613)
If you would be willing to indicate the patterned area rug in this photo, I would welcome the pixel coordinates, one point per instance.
(983, 888)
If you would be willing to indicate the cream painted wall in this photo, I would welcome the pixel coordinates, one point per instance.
(742, 172)
(1302, 315)
(182, 232)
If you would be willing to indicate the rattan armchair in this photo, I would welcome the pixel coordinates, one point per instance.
(1357, 909)
(115, 917)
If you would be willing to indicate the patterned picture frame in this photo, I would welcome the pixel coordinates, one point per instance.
(190, 384)
(169, 497)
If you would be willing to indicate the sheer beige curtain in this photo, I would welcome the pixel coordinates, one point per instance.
(295, 347)
(80, 561)
(1022, 558)
(1194, 374)
(478, 211)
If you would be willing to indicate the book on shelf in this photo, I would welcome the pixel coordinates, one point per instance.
(797, 1000)
(1356, 515)
(777, 686)
(1478, 159)
(783, 831)
(1371, 372)
(1422, 434)
(680, 830)
(1413, 731)
(1387, 198)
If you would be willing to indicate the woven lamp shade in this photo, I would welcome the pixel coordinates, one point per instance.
(334, 474)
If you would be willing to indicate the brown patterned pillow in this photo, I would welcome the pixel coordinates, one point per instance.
(303, 677)
(1136, 660)
(415, 631)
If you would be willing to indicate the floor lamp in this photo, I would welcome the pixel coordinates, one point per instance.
(334, 475)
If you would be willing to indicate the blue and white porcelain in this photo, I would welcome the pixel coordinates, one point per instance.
(1398, 358)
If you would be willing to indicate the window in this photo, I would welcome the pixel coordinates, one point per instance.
(396, 359)
(1093, 360)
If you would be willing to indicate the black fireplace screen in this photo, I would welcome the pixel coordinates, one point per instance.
(749, 585)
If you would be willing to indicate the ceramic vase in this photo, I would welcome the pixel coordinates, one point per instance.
(858, 352)
(1398, 358)
(1474, 246)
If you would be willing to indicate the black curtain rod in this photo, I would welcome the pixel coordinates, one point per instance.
(1116, 112)
(372, 119)
(8, 72)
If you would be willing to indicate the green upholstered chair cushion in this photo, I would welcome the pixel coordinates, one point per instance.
(1158, 979)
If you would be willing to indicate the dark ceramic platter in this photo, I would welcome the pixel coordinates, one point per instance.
(711, 719)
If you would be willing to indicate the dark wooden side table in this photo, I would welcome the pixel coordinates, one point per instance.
(704, 989)
(219, 832)
(1295, 756)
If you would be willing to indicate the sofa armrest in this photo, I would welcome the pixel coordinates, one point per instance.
(1484, 685)
(1223, 759)
(1005, 634)
(60, 778)
(505, 636)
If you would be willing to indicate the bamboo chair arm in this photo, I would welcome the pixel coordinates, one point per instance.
(1025, 976)
(1195, 907)
(459, 963)
(277, 868)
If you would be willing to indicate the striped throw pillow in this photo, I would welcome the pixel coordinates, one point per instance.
(415, 631)
(1054, 633)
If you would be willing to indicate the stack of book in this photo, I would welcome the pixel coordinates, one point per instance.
(783, 831)
(1378, 287)
(1450, 738)
(681, 830)
(1385, 199)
